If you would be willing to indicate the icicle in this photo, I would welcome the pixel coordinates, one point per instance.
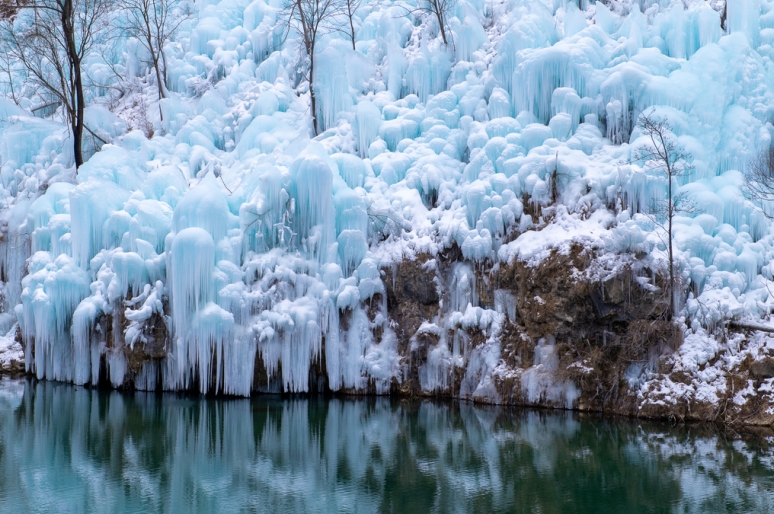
(91, 204)
(331, 88)
(313, 219)
(745, 17)
(369, 119)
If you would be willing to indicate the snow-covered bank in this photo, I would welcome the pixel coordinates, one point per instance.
(11, 355)
(231, 252)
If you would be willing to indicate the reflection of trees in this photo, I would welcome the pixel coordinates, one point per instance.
(64, 448)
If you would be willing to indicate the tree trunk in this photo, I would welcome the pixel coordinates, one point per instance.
(351, 25)
(724, 16)
(670, 213)
(79, 119)
(352, 31)
(160, 85)
(439, 15)
(164, 66)
(312, 99)
(154, 54)
(158, 78)
(79, 100)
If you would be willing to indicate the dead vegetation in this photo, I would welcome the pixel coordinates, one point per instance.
(603, 320)
(599, 369)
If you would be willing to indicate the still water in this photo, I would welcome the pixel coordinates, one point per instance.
(69, 449)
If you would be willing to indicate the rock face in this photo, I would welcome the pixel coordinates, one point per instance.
(573, 297)
(412, 299)
(585, 332)
(612, 350)
(576, 330)
(594, 321)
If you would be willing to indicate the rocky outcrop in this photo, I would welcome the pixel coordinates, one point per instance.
(590, 318)
(602, 322)
(412, 299)
(586, 332)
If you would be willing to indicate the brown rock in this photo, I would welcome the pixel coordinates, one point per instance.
(763, 369)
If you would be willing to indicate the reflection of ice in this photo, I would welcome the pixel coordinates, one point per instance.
(11, 394)
(75, 449)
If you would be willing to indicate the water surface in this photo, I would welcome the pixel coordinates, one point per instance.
(69, 449)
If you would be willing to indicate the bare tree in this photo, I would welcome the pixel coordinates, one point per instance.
(350, 7)
(440, 10)
(759, 181)
(662, 154)
(312, 19)
(154, 23)
(50, 39)
(8, 67)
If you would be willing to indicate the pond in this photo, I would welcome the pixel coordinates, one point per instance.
(65, 448)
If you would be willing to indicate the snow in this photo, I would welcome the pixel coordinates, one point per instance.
(10, 350)
(534, 246)
(260, 236)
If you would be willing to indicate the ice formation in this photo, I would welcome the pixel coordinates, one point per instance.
(249, 241)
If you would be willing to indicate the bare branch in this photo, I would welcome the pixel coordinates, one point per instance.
(312, 19)
(759, 181)
(438, 9)
(663, 155)
(50, 39)
(153, 23)
(349, 8)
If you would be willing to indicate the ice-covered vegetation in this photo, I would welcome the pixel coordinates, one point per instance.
(215, 212)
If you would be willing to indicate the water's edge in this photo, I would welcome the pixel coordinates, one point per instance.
(730, 429)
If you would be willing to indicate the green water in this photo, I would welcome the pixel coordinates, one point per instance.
(69, 449)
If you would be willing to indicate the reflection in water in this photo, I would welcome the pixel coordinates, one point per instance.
(69, 449)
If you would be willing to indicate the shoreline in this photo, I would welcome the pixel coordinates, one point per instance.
(739, 427)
